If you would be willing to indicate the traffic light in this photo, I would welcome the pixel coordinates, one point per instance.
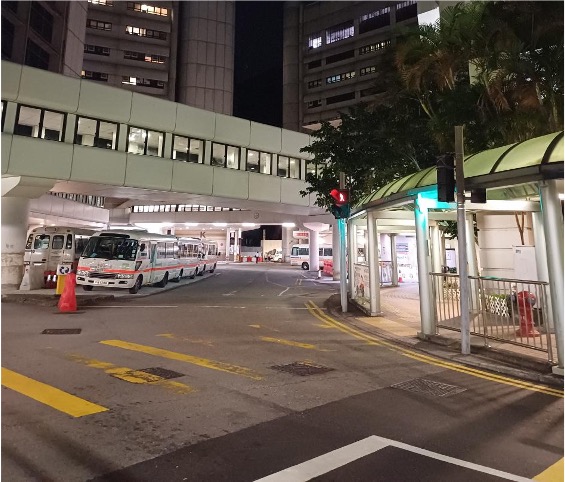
(445, 170)
(340, 208)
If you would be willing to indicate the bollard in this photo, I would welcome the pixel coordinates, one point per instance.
(525, 301)
(68, 301)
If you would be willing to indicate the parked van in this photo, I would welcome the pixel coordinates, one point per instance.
(300, 255)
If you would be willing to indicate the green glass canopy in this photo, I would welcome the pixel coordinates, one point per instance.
(511, 165)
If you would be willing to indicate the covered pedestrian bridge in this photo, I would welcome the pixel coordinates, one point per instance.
(514, 246)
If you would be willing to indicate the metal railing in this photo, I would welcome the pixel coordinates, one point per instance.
(507, 310)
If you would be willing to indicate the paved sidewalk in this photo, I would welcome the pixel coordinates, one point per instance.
(400, 323)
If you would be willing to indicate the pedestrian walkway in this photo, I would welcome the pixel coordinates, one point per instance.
(400, 322)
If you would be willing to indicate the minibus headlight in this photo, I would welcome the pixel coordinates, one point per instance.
(81, 272)
(124, 276)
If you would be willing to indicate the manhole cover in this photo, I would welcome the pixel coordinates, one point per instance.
(162, 372)
(61, 331)
(429, 387)
(302, 368)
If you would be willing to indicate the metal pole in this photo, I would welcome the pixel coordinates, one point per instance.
(462, 243)
(343, 276)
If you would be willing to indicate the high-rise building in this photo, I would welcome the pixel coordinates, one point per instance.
(46, 35)
(181, 51)
(333, 54)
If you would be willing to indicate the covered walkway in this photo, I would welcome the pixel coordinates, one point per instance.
(520, 228)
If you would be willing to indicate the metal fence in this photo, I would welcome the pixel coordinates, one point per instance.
(511, 311)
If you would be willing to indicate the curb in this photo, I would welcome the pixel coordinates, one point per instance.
(485, 361)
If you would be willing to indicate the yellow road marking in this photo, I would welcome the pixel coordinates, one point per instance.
(171, 355)
(552, 474)
(185, 338)
(255, 326)
(292, 343)
(133, 376)
(48, 395)
(319, 314)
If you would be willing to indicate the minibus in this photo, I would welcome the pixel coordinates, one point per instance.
(300, 255)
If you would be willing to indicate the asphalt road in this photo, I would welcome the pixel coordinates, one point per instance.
(238, 377)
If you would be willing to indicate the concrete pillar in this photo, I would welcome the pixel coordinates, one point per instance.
(437, 260)
(373, 261)
(394, 259)
(553, 227)
(227, 253)
(541, 255)
(286, 242)
(427, 309)
(314, 250)
(335, 252)
(236, 243)
(15, 214)
(471, 251)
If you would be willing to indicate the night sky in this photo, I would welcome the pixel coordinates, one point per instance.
(258, 76)
(258, 62)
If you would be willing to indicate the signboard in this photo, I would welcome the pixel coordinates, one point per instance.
(63, 269)
(361, 283)
(300, 234)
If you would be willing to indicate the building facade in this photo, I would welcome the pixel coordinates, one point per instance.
(179, 51)
(333, 53)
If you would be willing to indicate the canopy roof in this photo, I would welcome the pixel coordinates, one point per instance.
(507, 166)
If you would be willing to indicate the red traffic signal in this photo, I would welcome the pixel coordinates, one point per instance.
(340, 196)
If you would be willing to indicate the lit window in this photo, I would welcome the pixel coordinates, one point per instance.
(143, 141)
(339, 77)
(340, 32)
(96, 133)
(282, 166)
(315, 41)
(368, 70)
(294, 168)
(98, 25)
(40, 123)
(106, 3)
(188, 150)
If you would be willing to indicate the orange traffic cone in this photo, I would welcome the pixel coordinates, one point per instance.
(68, 300)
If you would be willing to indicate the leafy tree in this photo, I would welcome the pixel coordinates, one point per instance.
(372, 146)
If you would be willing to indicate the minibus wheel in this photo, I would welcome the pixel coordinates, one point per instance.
(305, 266)
(164, 281)
(135, 288)
(194, 274)
(213, 268)
(177, 279)
(87, 287)
(203, 271)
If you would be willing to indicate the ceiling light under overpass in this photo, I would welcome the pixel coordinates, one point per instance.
(248, 225)
(220, 225)
(288, 225)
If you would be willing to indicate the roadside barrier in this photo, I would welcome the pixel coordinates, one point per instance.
(68, 300)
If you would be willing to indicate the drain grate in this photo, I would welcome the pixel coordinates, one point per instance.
(302, 368)
(162, 372)
(429, 387)
(61, 331)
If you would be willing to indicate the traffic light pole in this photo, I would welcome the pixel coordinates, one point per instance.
(462, 243)
(341, 224)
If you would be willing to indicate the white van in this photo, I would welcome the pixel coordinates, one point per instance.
(300, 255)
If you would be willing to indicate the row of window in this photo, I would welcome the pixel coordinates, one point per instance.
(348, 54)
(97, 201)
(367, 22)
(128, 54)
(174, 208)
(130, 30)
(51, 125)
(103, 77)
(344, 76)
(331, 100)
(136, 7)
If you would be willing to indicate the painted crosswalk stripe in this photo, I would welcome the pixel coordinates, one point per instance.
(48, 395)
(172, 355)
(345, 455)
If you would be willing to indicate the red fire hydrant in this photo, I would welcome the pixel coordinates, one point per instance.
(525, 301)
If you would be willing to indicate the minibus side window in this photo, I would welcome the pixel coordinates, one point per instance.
(41, 241)
(58, 241)
(29, 241)
(304, 251)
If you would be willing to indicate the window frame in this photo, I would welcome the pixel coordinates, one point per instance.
(188, 151)
(97, 132)
(145, 142)
(40, 125)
